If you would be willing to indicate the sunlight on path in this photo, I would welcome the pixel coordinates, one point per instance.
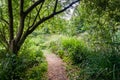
(56, 68)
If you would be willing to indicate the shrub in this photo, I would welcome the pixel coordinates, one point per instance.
(70, 47)
(101, 66)
(37, 72)
(75, 49)
(17, 67)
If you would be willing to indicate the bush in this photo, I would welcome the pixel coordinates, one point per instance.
(23, 66)
(37, 72)
(75, 49)
(100, 66)
(70, 47)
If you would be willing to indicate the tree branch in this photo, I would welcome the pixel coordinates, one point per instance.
(24, 37)
(38, 11)
(52, 15)
(33, 6)
(4, 21)
(10, 13)
(32, 28)
(22, 18)
(56, 2)
(60, 11)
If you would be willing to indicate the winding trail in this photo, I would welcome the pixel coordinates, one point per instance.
(56, 67)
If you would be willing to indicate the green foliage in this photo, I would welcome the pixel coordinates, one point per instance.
(54, 46)
(54, 26)
(7, 67)
(99, 66)
(97, 20)
(37, 72)
(70, 47)
(75, 49)
(96, 55)
(85, 62)
(28, 65)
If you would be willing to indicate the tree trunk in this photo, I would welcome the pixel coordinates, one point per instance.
(13, 47)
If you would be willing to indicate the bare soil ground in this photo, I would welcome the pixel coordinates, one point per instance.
(56, 67)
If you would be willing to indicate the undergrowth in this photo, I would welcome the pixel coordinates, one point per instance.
(85, 63)
(29, 64)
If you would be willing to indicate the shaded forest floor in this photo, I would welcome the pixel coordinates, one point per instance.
(56, 67)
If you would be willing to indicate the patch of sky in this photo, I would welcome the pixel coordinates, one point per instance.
(69, 12)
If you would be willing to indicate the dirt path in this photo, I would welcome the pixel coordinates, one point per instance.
(56, 69)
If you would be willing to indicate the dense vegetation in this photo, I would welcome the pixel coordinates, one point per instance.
(30, 64)
(89, 42)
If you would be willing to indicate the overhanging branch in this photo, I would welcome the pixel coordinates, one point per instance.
(32, 28)
(52, 15)
(38, 11)
(33, 6)
(64, 9)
